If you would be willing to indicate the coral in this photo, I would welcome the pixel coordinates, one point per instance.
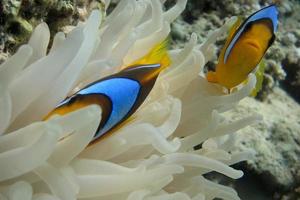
(17, 18)
(150, 157)
(291, 66)
(276, 141)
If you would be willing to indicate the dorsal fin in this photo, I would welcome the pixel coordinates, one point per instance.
(157, 55)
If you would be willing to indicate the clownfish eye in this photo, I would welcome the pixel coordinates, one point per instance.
(248, 26)
(73, 99)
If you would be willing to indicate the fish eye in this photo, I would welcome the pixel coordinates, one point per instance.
(248, 26)
(73, 98)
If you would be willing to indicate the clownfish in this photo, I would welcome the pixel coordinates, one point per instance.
(244, 48)
(121, 94)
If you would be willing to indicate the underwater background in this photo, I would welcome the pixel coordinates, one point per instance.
(275, 171)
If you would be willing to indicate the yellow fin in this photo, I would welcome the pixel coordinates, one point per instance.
(157, 55)
(259, 78)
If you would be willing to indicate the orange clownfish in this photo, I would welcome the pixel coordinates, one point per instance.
(244, 48)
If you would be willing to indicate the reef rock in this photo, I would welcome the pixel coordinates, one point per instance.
(276, 141)
(291, 65)
(17, 18)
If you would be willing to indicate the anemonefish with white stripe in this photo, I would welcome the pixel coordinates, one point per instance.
(244, 48)
(121, 94)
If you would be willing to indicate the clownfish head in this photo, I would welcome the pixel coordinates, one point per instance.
(245, 47)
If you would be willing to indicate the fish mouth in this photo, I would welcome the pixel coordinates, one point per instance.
(253, 44)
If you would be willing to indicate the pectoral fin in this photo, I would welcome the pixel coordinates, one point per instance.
(211, 77)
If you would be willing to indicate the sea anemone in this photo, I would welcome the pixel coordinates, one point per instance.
(153, 156)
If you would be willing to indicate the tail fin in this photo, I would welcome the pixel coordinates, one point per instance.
(157, 55)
